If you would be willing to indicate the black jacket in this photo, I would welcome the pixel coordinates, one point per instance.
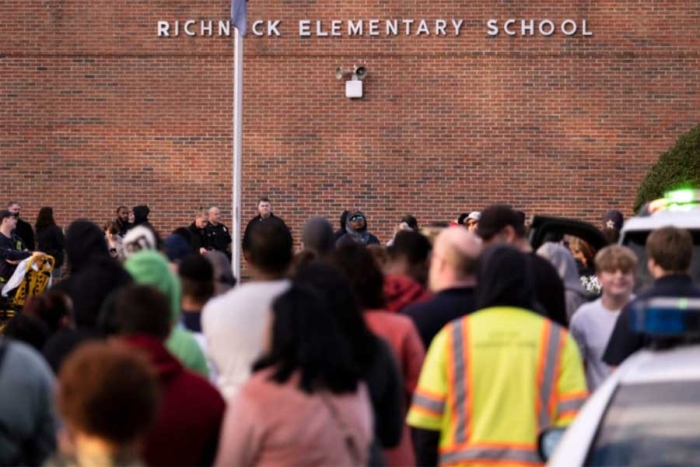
(447, 305)
(12, 249)
(52, 242)
(624, 341)
(26, 233)
(200, 238)
(123, 226)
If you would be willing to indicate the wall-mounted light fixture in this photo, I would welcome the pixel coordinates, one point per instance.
(353, 87)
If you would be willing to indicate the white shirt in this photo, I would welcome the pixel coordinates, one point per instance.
(234, 325)
(591, 326)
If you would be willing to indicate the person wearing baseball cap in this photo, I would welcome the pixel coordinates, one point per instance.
(12, 248)
(502, 224)
(472, 221)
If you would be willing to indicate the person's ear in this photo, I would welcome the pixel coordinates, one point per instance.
(651, 265)
(509, 234)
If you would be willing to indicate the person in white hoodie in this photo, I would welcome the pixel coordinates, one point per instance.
(234, 323)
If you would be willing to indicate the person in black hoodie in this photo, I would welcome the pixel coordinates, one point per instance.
(94, 275)
(141, 213)
(50, 239)
(200, 237)
(341, 231)
(356, 230)
(23, 229)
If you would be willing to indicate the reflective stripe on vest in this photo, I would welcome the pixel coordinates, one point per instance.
(571, 403)
(431, 404)
(552, 340)
(459, 399)
(506, 455)
(461, 381)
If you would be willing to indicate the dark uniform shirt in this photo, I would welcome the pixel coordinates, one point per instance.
(219, 237)
(624, 341)
(11, 248)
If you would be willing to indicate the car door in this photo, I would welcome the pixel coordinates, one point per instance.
(543, 227)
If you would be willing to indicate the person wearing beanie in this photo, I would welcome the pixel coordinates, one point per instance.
(317, 236)
(151, 268)
(356, 230)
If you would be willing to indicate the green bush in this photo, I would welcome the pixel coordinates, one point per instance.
(677, 168)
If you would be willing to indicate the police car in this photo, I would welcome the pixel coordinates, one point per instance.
(648, 411)
(679, 208)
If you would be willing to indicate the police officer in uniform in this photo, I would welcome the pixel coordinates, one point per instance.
(219, 235)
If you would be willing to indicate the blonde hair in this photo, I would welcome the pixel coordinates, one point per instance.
(614, 257)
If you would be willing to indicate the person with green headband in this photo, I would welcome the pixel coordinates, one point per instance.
(150, 267)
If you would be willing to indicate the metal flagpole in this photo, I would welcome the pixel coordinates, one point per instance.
(237, 150)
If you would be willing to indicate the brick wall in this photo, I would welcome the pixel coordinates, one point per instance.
(97, 111)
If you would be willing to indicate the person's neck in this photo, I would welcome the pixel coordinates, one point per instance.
(614, 303)
(189, 304)
(259, 276)
(661, 273)
(523, 245)
(398, 267)
(454, 283)
(213, 224)
(6, 231)
(92, 448)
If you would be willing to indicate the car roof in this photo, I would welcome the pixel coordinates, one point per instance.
(681, 219)
(656, 366)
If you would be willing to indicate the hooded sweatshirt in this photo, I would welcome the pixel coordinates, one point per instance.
(401, 291)
(141, 215)
(363, 237)
(504, 279)
(151, 268)
(94, 276)
(565, 264)
(186, 431)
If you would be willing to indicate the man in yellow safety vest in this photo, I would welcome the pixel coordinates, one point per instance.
(493, 380)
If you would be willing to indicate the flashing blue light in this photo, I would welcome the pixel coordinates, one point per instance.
(670, 317)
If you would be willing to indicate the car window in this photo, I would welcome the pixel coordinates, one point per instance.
(637, 241)
(650, 424)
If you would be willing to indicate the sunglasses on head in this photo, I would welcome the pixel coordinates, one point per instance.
(356, 218)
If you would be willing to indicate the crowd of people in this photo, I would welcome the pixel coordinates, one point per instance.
(451, 344)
